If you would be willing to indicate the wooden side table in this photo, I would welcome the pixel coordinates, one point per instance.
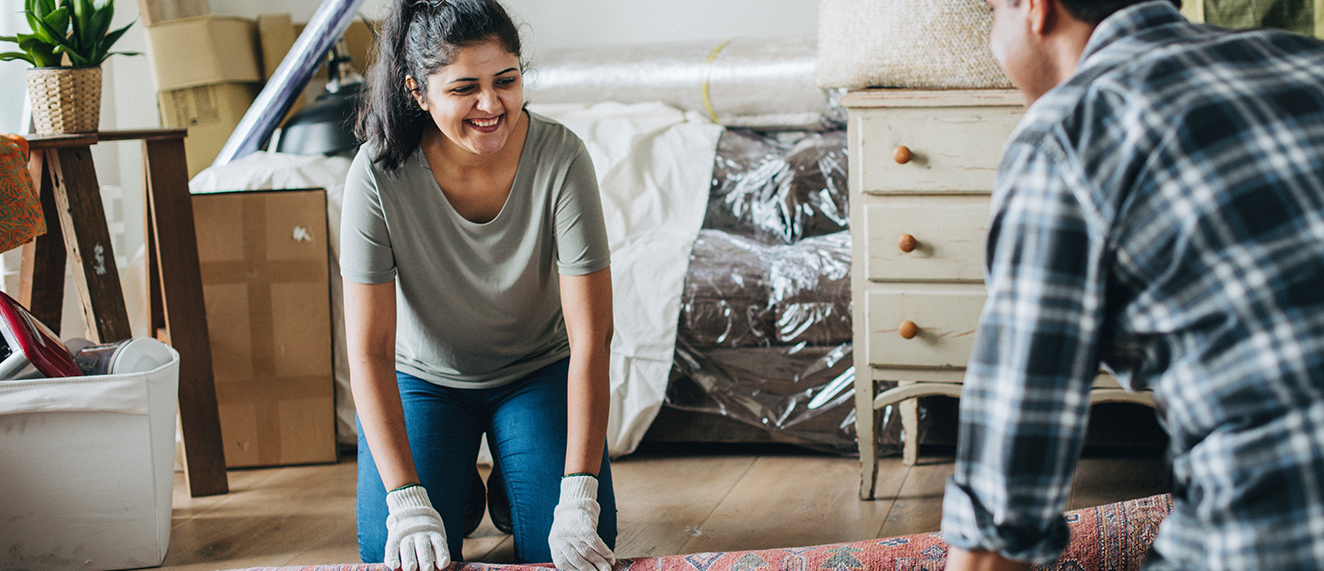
(61, 167)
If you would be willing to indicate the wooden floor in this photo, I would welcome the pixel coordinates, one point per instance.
(709, 498)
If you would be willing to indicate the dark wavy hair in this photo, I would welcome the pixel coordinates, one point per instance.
(416, 39)
(1094, 11)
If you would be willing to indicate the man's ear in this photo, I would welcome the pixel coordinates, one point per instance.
(1040, 14)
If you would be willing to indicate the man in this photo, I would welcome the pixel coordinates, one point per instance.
(1160, 212)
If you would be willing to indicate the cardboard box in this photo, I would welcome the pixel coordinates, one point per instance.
(156, 11)
(210, 112)
(276, 36)
(208, 73)
(87, 476)
(203, 50)
(265, 281)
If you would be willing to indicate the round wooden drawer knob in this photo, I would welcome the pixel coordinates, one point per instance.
(907, 243)
(902, 155)
(908, 329)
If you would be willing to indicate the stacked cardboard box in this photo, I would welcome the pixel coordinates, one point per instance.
(157, 11)
(263, 254)
(207, 72)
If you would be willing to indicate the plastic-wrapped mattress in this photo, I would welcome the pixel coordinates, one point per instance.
(779, 192)
(765, 323)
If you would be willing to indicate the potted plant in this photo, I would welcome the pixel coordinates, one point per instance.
(69, 40)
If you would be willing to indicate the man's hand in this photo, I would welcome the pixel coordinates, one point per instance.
(961, 560)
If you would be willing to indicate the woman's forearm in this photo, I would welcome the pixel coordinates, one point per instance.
(382, 418)
(370, 344)
(588, 399)
(587, 306)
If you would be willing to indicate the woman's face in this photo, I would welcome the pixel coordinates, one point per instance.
(477, 98)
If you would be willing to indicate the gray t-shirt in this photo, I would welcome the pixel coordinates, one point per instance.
(478, 305)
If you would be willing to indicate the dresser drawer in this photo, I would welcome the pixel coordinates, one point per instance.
(938, 238)
(953, 149)
(946, 316)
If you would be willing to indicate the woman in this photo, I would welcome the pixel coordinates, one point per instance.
(477, 299)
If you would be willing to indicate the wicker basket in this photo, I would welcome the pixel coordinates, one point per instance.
(65, 99)
(914, 44)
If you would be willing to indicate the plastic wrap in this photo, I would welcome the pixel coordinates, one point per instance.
(765, 338)
(726, 295)
(765, 319)
(779, 192)
(742, 293)
(765, 83)
(809, 291)
(803, 395)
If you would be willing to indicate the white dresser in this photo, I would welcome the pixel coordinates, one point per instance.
(922, 165)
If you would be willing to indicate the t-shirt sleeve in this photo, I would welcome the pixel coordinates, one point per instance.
(366, 256)
(581, 234)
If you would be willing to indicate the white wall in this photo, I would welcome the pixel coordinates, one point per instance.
(11, 72)
(581, 23)
(550, 24)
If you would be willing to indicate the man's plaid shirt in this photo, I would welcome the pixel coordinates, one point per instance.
(1161, 213)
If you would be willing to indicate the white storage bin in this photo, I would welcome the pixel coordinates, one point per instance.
(86, 470)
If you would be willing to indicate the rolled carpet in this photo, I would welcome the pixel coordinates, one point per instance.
(1108, 537)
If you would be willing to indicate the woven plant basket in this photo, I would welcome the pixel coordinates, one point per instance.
(65, 99)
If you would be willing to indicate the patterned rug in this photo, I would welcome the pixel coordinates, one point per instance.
(1109, 537)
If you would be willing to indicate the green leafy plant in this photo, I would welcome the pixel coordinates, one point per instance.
(79, 29)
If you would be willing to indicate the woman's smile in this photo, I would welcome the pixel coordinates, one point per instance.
(488, 125)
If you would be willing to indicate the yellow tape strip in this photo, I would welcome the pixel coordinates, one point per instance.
(707, 72)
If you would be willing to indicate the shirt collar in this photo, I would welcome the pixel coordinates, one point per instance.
(1129, 21)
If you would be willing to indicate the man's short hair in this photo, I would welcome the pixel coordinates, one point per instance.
(1094, 11)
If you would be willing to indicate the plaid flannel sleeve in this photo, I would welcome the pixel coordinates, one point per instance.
(1025, 402)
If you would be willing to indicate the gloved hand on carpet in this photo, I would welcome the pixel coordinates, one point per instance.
(574, 538)
(415, 536)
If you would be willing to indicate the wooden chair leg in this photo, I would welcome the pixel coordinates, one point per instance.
(44, 258)
(181, 308)
(87, 240)
(866, 433)
(910, 428)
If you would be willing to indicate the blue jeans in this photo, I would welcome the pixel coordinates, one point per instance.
(526, 426)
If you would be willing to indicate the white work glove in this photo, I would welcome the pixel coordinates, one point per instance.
(574, 538)
(415, 536)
